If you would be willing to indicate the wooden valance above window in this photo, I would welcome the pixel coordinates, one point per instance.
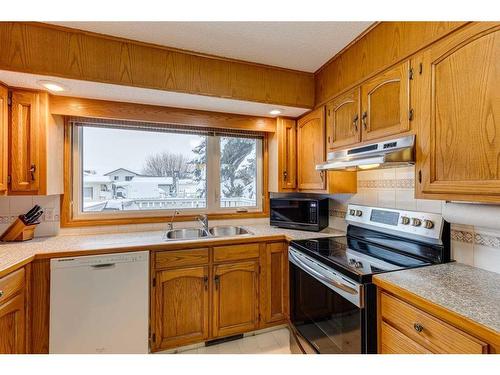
(150, 114)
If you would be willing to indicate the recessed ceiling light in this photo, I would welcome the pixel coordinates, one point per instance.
(52, 86)
(275, 112)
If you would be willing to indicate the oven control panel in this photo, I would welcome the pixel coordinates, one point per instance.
(412, 222)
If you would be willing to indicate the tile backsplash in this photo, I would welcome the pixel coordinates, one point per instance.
(394, 188)
(12, 207)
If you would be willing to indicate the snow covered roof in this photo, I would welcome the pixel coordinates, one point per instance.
(121, 169)
(96, 179)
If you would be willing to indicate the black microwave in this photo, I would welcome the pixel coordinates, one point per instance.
(299, 213)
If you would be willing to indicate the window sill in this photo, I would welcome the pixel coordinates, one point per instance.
(67, 222)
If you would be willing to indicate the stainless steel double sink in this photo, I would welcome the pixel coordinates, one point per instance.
(198, 233)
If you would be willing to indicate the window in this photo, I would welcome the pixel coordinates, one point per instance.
(143, 171)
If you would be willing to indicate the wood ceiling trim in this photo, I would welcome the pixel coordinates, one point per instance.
(39, 48)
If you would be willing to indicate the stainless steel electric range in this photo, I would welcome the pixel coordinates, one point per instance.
(332, 299)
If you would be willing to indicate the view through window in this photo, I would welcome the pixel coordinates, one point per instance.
(124, 169)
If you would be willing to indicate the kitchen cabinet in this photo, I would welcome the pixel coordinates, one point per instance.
(36, 145)
(274, 283)
(235, 298)
(385, 103)
(4, 138)
(182, 306)
(458, 148)
(407, 329)
(287, 154)
(311, 150)
(13, 313)
(343, 120)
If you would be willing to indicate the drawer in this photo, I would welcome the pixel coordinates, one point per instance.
(394, 342)
(426, 330)
(181, 258)
(236, 252)
(11, 284)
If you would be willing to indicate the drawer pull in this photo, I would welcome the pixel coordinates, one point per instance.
(1, 293)
(418, 327)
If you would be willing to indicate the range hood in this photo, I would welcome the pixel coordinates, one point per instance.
(386, 154)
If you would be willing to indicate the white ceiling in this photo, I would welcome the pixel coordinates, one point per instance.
(304, 46)
(105, 91)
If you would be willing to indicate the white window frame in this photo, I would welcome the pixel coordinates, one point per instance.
(212, 180)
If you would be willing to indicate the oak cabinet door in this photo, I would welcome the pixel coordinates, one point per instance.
(385, 103)
(181, 307)
(25, 138)
(459, 142)
(12, 326)
(311, 150)
(343, 120)
(287, 153)
(235, 298)
(274, 283)
(4, 138)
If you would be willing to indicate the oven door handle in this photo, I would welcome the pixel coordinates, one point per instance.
(334, 283)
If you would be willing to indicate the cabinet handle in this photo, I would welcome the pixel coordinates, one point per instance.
(322, 175)
(1, 293)
(205, 281)
(32, 172)
(355, 122)
(418, 327)
(363, 119)
(285, 175)
(217, 281)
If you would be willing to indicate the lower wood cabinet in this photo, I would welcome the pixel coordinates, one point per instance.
(13, 313)
(4, 139)
(404, 328)
(206, 293)
(182, 306)
(236, 298)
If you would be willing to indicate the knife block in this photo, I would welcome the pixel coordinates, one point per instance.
(18, 231)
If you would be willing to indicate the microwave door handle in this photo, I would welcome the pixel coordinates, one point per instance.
(319, 276)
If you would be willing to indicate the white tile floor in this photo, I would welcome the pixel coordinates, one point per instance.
(270, 342)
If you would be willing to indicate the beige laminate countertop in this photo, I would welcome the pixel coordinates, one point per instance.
(467, 291)
(16, 254)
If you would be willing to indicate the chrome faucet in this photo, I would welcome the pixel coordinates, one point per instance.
(203, 219)
(170, 225)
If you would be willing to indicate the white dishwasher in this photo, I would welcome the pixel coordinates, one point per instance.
(100, 304)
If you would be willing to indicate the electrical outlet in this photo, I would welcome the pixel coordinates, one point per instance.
(49, 214)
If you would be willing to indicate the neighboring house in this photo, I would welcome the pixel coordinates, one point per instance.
(144, 187)
(96, 187)
(121, 174)
(186, 188)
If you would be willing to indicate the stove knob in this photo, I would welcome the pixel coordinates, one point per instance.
(416, 222)
(428, 224)
(405, 220)
(358, 265)
(359, 212)
(352, 212)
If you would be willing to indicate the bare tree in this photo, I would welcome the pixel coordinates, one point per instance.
(167, 164)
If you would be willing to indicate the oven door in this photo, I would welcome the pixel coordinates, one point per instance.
(326, 308)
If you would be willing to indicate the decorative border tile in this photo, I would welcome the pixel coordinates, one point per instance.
(337, 213)
(8, 219)
(406, 183)
(476, 238)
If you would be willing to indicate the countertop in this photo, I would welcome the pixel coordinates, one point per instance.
(468, 291)
(16, 254)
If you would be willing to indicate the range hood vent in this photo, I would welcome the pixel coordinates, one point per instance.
(386, 154)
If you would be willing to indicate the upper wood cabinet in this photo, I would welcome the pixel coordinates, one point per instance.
(236, 298)
(4, 138)
(385, 103)
(287, 154)
(458, 138)
(343, 120)
(182, 306)
(36, 145)
(311, 150)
